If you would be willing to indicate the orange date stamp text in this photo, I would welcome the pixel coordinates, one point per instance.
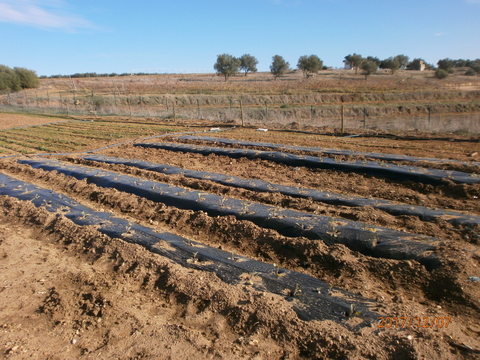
(410, 322)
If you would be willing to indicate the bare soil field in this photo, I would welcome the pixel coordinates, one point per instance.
(69, 290)
(8, 121)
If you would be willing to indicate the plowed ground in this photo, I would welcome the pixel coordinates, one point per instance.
(68, 291)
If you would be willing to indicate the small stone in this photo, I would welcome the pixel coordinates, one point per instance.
(409, 337)
(74, 341)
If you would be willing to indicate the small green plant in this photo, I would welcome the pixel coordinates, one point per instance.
(330, 289)
(304, 227)
(128, 231)
(353, 311)
(193, 259)
(277, 270)
(233, 257)
(296, 291)
(245, 206)
(189, 242)
(64, 208)
(335, 232)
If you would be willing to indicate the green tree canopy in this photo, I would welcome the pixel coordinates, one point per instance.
(446, 64)
(227, 65)
(402, 60)
(17, 79)
(368, 67)
(279, 66)
(391, 63)
(309, 64)
(354, 60)
(374, 59)
(9, 80)
(248, 63)
(475, 65)
(28, 78)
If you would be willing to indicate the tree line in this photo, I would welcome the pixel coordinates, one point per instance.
(16, 79)
(228, 65)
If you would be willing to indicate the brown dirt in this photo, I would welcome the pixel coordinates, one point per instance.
(8, 121)
(69, 292)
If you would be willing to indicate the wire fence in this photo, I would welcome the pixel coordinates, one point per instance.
(257, 113)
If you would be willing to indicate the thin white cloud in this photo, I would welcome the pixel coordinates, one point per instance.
(53, 14)
(473, 1)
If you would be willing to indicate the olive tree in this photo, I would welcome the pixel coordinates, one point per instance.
(402, 60)
(309, 64)
(227, 65)
(368, 67)
(446, 64)
(391, 63)
(354, 60)
(248, 63)
(279, 66)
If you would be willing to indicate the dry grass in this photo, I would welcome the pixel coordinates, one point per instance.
(390, 100)
(328, 81)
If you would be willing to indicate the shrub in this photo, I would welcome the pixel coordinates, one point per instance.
(441, 74)
(17, 79)
(28, 78)
(9, 80)
(470, 72)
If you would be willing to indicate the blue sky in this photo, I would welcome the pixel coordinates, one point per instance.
(105, 36)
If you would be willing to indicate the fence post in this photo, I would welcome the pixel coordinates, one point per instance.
(312, 113)
(129, 106)
(241, 112)
(364, 118)
(343, 119)
(174, 111)
(429, 108)
(266, 109)
(198, 108)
